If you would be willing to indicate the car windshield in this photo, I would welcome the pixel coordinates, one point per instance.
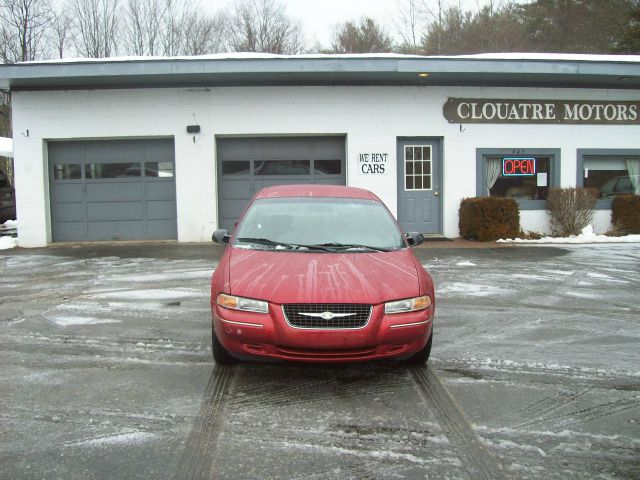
(318, 224)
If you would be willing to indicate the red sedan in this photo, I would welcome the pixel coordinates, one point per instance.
(320, 273)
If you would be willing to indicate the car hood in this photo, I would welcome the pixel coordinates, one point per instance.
(288, 277)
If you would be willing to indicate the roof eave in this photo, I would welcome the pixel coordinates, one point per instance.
(319, 71)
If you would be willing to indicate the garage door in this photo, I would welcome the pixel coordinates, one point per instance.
(112, 190)
(245, 165)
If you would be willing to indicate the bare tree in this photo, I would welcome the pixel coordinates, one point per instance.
(262, 26)
(61, 32)
(97, 27)
(23, 29)
(205, 34)
(172, 28)
(410, 23)
(143, 22)
(365, 37)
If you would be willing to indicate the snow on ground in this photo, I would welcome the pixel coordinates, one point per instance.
(6, 147)
(587, 236)
(471, 290)
(67, 321)
(9, 224)
(10, 227)
(8, 242)
(127, 438)
(465, 264)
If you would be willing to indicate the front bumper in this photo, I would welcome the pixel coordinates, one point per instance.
(270, 336)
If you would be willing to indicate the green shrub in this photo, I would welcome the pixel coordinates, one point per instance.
(489, 218)
(625, 213)
(570, 209)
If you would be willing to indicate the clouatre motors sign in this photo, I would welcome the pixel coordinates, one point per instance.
(483, 110)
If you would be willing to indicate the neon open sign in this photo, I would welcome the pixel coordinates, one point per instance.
(518, 167)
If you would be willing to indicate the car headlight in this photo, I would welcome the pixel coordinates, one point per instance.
(244, 304)
(408, 305)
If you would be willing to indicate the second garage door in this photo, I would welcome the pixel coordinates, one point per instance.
(112, 190)
(245, 165)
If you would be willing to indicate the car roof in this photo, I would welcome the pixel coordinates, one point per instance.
(315, 191)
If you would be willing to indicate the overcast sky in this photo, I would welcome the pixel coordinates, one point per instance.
(320, 16)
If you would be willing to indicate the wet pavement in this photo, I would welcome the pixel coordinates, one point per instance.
(107, 373)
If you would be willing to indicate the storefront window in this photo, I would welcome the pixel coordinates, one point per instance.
(612, 175)
(522, 174)
(525, 178)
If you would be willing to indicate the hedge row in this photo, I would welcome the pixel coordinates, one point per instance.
(489, 218)
(625, 213)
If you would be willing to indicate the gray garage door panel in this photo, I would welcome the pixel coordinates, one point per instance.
(118, 229)
(67, 212)
(161, 190)
(112, 190)
(70, 192)
(115, 210)
(160, 209)
(245, 165)
(329, 181)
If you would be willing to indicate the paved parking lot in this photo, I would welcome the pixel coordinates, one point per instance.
(107, 373)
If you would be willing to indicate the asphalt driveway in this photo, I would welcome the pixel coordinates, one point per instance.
(107, 373)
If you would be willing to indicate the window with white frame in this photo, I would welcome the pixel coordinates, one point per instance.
(417, 167)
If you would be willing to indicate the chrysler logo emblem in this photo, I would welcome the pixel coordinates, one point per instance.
(327, 315)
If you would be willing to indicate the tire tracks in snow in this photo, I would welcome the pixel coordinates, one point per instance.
(198, 456)
(475, 457)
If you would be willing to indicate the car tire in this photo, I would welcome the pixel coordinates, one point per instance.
(220, 354)
(421, 357)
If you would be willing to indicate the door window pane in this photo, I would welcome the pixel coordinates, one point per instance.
(71, 171)
(112, 170)
(409, 182)
(283, 167)
(408, 153)
(417, 167)
(327, 167)
(158, 169)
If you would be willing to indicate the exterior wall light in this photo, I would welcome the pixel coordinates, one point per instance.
(423, 75)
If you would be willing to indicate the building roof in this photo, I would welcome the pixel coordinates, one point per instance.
(512, 69)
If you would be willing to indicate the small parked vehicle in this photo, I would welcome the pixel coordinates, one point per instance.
(320, 273)
(7, 199)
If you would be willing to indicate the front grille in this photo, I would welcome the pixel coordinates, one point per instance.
(357, 316)
(302, 354)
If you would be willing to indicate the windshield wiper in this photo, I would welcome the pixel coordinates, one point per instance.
(288, 246)
(325, 247)
(265, 241)
(347, 246)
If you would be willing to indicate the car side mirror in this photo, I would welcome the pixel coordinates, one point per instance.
(221, 236)
(414, 238)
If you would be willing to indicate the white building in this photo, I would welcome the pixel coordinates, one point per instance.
(157, 148)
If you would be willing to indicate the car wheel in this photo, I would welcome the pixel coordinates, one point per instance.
(421, 357)
(220, 354)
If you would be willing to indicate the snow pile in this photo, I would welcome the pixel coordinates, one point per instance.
(6, 147)
(586, 236)
(8, 242)
(9, 224)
